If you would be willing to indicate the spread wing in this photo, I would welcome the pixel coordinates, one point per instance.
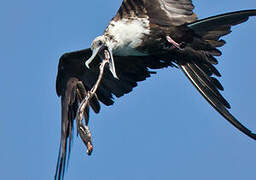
(162, 12)
(198, 66)
(74, 80)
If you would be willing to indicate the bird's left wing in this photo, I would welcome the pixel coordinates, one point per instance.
(161, 12)
(74, 79)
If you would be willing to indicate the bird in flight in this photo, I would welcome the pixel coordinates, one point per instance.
(143, 35)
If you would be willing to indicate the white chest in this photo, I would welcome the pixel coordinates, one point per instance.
(127, 35)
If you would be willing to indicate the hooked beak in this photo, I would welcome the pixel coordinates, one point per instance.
(111, 60)
(94, 53)
(112, 64)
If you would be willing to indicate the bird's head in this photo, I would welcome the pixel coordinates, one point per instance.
(99, 44)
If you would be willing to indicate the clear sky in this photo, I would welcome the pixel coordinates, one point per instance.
(162, 130)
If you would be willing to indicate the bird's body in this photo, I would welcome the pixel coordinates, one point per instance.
(136, 31)
(126, 36)
(144, 35)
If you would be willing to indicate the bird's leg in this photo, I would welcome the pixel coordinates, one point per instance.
(83, 129)
(174, 43)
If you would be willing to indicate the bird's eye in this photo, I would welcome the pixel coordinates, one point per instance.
(100, 43)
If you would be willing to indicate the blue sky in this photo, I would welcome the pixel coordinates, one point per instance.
(164, 129)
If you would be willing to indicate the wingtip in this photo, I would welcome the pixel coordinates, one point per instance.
(252, 135)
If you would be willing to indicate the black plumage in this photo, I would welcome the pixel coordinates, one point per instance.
(197, 60)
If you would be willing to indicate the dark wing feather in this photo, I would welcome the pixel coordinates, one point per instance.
(213, 28)
(198, 63)
(170, 12)
(74, 80)
(210, 96)
(162, 12)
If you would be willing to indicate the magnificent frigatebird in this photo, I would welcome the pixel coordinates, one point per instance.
(144, 35)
